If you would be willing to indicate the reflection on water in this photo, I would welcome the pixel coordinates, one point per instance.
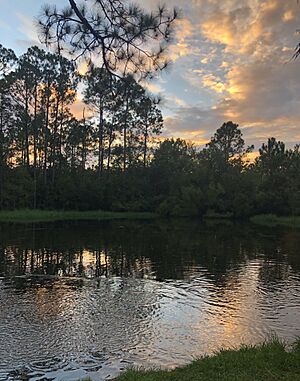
(90, 298)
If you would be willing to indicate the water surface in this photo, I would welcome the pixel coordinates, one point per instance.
(90, 298)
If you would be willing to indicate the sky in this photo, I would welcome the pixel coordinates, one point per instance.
(231, 60)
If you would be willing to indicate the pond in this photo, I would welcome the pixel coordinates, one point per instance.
(90, 299)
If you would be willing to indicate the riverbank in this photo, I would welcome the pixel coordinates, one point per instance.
(28, 215)
(273, 220)
(267, 362)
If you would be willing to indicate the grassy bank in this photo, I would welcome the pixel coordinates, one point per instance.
(28, 215)
(272, 220)
(268, 362)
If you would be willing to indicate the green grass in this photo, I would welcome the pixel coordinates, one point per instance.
(267, 362)
(28, 215)
(218, 216)
(272, 220)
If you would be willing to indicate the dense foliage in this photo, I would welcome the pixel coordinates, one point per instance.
(111, 159)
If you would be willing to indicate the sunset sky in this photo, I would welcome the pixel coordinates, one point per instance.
(231, 61)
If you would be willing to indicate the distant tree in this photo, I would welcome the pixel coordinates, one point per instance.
(149, 123)
(293, 179)
(99, 94)
(172, 164)
(79, 141)
(85, 135)
(225, 160)
(125, 37)
(34, 59)
(44, 85)
(227, 142)
(272, 166)
(226, 148)
(131, 94)
(272, 158)
(27, 78)
(7, 62)
(64, 91)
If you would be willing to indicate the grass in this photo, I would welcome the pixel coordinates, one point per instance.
(218, 216)
(28, 215)
(273, 220)
(266, 362)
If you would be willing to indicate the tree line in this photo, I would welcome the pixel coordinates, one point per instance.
(41, 139)
(110, 157)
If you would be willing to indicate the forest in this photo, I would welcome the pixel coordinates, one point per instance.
(114, 157)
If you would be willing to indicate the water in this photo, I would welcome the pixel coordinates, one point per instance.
(89, 299)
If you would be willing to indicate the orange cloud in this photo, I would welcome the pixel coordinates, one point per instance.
(214, 83)
(181, 47)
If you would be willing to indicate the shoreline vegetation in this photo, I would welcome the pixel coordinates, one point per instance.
(273, 220)
(31, 215)
(266, 362)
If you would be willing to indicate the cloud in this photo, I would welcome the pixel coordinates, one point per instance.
(28, 28)
(152, 87)
(213, 82)
(263, 91)
(194, 121)
(182, 46)
(243, 58)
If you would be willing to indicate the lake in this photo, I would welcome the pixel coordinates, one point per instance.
(92, 298)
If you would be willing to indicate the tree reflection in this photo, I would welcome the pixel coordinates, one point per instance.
(73, 287)
(156, 250)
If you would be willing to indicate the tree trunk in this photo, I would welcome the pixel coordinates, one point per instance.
(83, 153)
(125, 135)
(100, 138)
(46, 137)
(54, 150)
(1, 151)
(35, 147)
(145, 146)
(109, 147)
(27, 159)
(60, 135)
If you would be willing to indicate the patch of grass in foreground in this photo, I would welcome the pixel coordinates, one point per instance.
(273, 220)
(267, 362)
(28, 215)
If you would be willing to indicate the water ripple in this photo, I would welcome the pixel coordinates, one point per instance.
(70, 313)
